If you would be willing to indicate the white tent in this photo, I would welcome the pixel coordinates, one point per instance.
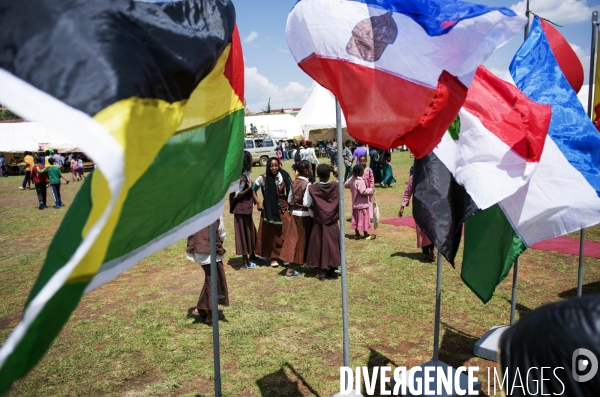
(278, 126)
(30, 136)
(318, 113)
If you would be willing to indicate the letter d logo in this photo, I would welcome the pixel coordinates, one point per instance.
(582, 364)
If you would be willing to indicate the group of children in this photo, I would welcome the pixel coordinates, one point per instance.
(42, 175)
(294, 215)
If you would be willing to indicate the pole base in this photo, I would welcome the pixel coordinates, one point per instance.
(463, 381)
(487, 346)
(353, 394)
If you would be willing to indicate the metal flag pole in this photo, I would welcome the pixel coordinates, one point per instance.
(526, 26)
(513, 298)
(422, 374)
(438, 303)
(215, 307)
(341, 173)
(590, 112)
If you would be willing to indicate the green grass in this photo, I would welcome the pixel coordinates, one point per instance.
(133, 336)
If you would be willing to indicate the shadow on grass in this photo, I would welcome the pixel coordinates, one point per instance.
(236, 262)
(201, 319)
(417, 256)
(279, 384)
(521, 309)
(376, 359)
(586, 289)
(456, 347)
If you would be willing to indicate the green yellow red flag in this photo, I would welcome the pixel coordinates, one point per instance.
(152, 91)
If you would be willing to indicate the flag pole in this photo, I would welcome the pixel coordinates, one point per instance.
(438, 302)
(341, 174)
(513, 298)
(215, 308)
(526, 26)
(590, 112)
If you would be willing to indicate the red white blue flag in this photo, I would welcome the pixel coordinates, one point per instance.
(400, 68)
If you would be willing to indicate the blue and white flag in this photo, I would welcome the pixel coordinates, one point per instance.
(562, 196)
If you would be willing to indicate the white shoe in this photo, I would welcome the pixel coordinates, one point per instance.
(21, 188)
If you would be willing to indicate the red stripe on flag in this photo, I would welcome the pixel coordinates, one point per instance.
(507, 113)
(565, 56)
(386, 111)
(234, 68)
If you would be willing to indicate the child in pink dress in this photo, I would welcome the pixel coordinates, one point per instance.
(361, 220)
(369, 179)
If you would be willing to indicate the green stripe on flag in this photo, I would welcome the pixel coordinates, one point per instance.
(190, 175)
(68, 237)
(40, 334)
(491, 246)
(175, 186)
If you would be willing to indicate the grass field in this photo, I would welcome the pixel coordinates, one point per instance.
(134, 336)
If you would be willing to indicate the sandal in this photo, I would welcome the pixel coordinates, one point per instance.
(321, 277)
(251, 265)
(295, 275)
(370, 237)
(196, 313)
(274, 264)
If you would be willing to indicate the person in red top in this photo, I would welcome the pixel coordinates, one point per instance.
(40, 180)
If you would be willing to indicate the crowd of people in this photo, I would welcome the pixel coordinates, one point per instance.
(45, 170)
(297, 210)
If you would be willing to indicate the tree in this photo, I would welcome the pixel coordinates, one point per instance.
(282, 111)
(6, 114)
(268, 109)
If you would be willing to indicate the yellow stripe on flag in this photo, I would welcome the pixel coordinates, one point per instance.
(142, 127)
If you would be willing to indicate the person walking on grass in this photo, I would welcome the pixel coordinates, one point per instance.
(332, 147)
(347, 156)
(40, 180)
(388, 173)
(54, 175)
(323, 199)
(59, 161)
(241, 205)
(361, 222)
(73, 167)
(29, 164)
(275, 185)
(298, 231)
(2, 166)
(369, 179)
(198, 250)
(311, 157)
(80, 169)
(423, 241)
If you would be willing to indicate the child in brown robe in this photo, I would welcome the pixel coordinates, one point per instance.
(298, 231)
(275, 185)
(241, 205)
(198, 250)
(323, 199)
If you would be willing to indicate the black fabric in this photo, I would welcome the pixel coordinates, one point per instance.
(270, 210)
(549, 337)
(288, 181)
(115, 49)
(440, 205)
